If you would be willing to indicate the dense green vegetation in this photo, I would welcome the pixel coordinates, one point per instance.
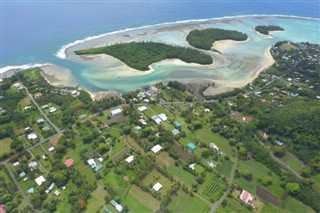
(265, 29)
(203, 39)
(140, 55)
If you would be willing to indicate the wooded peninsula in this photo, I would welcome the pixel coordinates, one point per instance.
(140, 55)
(203, 39)
(265, 29)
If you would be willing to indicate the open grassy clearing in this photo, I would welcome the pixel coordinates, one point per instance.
(182, 175)
(245, 184)
(163, 159)
(184, 203)
(154, 177)
(294, 206)
(116, 182)
(292, 162)
(5, 145)
(96, 200)
(225, 167)
(136, 194)
(233, 206)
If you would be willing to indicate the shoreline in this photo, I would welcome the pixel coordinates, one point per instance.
(61, 53)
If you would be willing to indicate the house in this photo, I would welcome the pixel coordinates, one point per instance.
(15, 164)
(156, 148)
(51, 149)
(129, 159)
(22, 174)
(156, 119)
(106, 210)
(50, 188)
(192, 166)
(246, 197)
(116, 112)
(40, 180)
(32, 136)
(33, 164)
(211, 164)
(175, 132)
(92, 163)
(279, 143)
(207, 110)
(116, 205)
(142, 121)
(191, 146)
(163, 116)
(263, 100)
(137, 128)
(100, 159)
(2, 208)
(40, 120)
(265, 136)
(38, 94)
(44, 106)
(142, 108)
(31, 190)
(52, 109)
(46, 128)
(157, 187)
(57, 193)
(27, 108)
(177, 124)
(98, 167)
(213, 146)
(68, 162)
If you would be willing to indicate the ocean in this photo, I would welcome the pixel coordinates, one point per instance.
(32, 32)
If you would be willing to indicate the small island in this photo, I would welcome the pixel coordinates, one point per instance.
(265, 29)
(203, 39)
(140, 55)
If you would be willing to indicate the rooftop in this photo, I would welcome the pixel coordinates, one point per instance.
(157, 187)
(156, 148)
(191, 146)
(69, 162)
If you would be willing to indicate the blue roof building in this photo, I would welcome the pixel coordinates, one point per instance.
(40, 120)
(31, 190)
(191, 146)
(99, 166)
(177, 124)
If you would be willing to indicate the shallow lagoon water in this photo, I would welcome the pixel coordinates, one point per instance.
(235, 64)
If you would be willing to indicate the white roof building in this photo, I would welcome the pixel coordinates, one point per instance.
(33, 164)
(15, 164)
(156, 119)
(213, 146)
(192, 166)
(32, 136)
(40, 180)
(92, 163)
(51, 149)
(129, 159)
(52, 109)
(116, 112)
(142, 108)
(157, 187)
(163, 116)
(156, 148)
(100, 159)
(119, 208)
(57, 193)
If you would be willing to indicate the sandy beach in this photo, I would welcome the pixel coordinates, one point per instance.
(58, 76)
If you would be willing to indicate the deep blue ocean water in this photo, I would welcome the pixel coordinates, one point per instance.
(33, 31)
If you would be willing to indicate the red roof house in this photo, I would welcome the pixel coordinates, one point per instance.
(246, 197)
(265, 136)
(2, 208)
(68, 162)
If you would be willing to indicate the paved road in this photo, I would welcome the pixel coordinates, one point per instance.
(26, 199)
(230, 182)
(41, 112)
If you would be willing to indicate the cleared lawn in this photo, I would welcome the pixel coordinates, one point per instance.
(5, 145)
(116, 182)
(163, 159)
(292, 162)
(87, 171)
(245, 184)
(233, 206)
(153, 177)
(118, 146)
(184, 203)
(182, 175)
(96, 201)
(225, 167)
(295, 206)
(140, 201)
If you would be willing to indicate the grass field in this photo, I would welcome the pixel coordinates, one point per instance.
(87, 171)
(292, 162)
(182, 175)
(213, 187)
(225, 167)
(140, 201)
(294, 206)
(245, 184)
(116, 182)
(184, 203)
(233, 206)
(118, 146)
(153, 177)
(163, 159)
(96, 200)
(5, 145)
